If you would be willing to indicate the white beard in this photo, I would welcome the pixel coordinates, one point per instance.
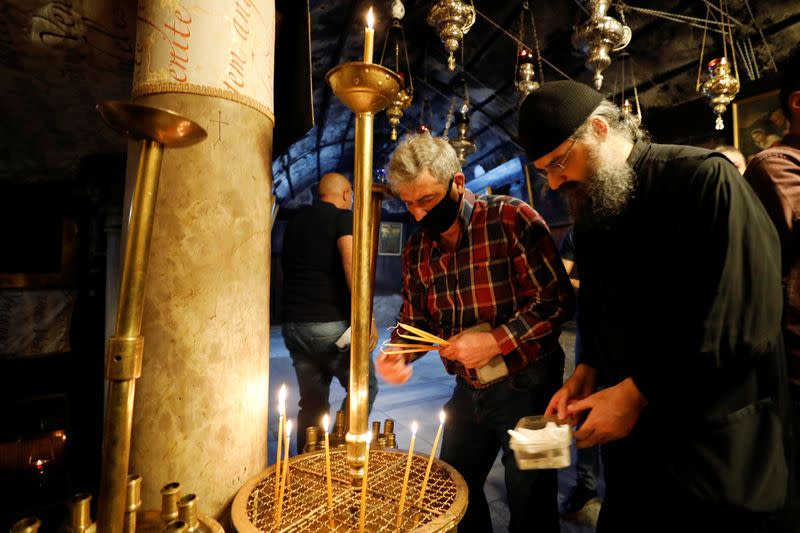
(605, 192)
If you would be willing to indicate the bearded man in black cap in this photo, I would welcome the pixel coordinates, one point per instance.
(680, 315)
(483, 273)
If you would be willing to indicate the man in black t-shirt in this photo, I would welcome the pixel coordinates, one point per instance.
(317, 265)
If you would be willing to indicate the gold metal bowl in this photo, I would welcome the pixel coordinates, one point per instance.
(141, 122)
(364, 87)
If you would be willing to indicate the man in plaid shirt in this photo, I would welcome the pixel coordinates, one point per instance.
(487, 260)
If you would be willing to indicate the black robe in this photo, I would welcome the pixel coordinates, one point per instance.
(682, 292)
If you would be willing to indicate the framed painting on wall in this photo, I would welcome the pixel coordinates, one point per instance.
(758, 123)
(390, 239)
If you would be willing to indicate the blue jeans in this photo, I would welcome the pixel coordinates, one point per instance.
(476, 429)
(317, 361)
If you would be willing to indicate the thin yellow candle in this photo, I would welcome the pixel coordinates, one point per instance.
(285, 473)
(402, 503)
(430, 459)
(363, 510)
(369, 37)
(282, 413)
(325, 422)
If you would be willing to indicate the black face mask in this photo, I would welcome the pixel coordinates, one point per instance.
(442, 215)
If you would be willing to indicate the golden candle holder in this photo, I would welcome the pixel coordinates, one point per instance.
(365, 88)
(156, 129)
(441, 509)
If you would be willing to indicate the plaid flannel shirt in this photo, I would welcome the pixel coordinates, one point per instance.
(506, 271)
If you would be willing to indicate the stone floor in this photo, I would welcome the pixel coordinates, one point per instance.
(426, 392)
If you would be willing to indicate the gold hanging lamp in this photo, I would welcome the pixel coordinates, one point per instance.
(402, 100)
(451, 19)
(722, 85)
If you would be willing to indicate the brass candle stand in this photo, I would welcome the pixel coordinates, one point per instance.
(305, 507)
(365, 88)
(156, 129)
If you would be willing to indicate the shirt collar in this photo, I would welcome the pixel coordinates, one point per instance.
(637, 153)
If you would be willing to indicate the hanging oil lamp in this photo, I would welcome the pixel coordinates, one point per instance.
(396, 36)
(626, 105)
(451, 19)
(722, 85)
(720, 88)
(526, 73)
(598, 37)
(462, 142)
(526, 81)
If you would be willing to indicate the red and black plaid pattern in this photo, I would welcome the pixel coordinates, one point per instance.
(506, 271)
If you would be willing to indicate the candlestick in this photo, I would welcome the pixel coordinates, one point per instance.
(405, 477)
(430, 459)
(369, 37)
(279, 507)
(282, 413)
(362, 512)
(325, 421)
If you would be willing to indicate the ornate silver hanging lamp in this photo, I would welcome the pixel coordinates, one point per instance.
(525, 69)
(451, 19)
(598, 37)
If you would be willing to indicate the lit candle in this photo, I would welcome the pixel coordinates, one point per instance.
(285, 473)
(282, 413)
(430, 459)
(369, 37)
(405, 477)
(325, 421)
(363, 511)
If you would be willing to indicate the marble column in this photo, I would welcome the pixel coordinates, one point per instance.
(200, 411)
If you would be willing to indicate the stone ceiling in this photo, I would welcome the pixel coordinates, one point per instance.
(59, 58)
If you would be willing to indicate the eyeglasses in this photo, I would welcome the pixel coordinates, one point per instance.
(561, 164)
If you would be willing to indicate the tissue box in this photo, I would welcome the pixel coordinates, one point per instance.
(532, 456)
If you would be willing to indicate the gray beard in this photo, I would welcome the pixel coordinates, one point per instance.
(604, 194)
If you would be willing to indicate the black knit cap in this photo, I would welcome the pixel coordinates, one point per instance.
(551, 114)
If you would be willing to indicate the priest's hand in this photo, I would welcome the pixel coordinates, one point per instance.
(579, 385)
(613, 413)
(471, 349)
(393, 368)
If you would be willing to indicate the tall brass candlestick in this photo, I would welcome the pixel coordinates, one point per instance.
(156, 129)
(403, 491)
(365, 89)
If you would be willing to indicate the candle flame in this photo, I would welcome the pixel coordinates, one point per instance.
(370, 18)
(441, 417)
(282, 399)
(288, 428)
(414, 427)
(325, 421)
(368, 437)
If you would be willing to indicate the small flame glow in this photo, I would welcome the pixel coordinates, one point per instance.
(368, 437)
(282, 399)
(370, 19)
(414, 427)
(441, 417)
(325, 421)
(288, 428)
